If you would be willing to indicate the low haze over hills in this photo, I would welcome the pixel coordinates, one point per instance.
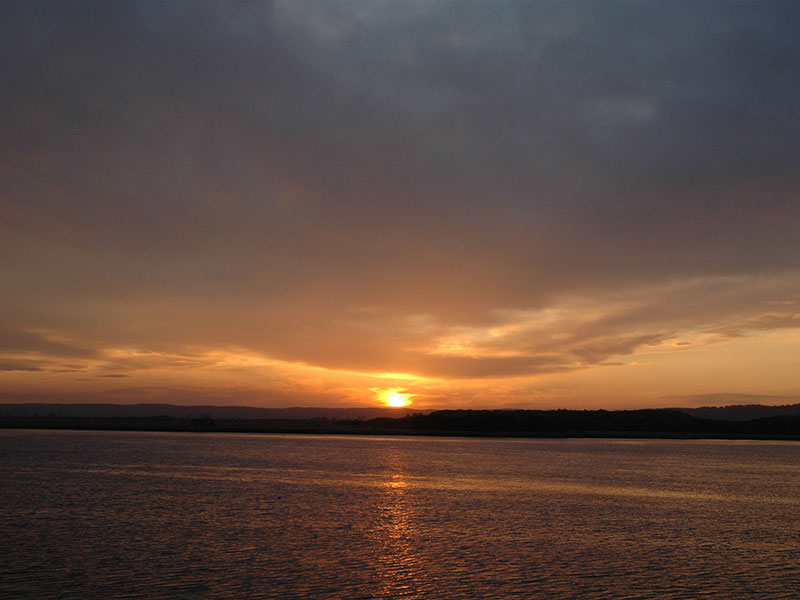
(214, 412)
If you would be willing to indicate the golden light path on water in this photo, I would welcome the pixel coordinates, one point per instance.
(398, 559)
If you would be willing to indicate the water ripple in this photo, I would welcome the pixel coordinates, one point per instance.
(124, 515)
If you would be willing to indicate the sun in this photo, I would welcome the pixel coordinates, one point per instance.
(394, 397)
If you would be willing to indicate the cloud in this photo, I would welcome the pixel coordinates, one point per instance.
(447, 189)
(20, 340)
(11, 365)
(191, 395)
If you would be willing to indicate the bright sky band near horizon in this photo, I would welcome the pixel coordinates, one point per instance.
(461, 204)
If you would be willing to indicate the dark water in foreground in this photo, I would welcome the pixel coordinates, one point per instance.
(152, 515)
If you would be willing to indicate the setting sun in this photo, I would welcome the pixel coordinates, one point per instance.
(394, 397)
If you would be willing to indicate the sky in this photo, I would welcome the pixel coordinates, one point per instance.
(471, 204)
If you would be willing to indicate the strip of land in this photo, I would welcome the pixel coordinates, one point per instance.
(651, 423)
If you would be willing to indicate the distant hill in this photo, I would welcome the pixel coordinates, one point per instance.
(213, 412)
(745, 412)
(742, 412)
(518, 423)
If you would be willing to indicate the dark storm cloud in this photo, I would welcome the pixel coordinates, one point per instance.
(265, 174)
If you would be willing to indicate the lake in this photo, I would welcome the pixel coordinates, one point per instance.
(164, 515)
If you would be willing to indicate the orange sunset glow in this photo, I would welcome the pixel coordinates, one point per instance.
(496, 211)
(394, 397)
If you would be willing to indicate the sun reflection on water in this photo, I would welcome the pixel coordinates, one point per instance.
(398, 560)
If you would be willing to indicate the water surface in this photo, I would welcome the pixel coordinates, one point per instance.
(165, 515)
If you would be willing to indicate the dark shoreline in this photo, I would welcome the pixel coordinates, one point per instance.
(656, 424)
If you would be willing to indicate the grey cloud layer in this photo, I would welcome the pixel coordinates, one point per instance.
(259, 173)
